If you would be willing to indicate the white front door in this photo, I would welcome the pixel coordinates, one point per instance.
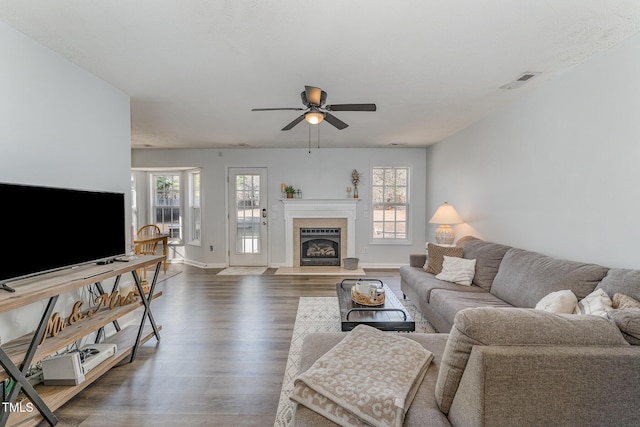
(248, 220)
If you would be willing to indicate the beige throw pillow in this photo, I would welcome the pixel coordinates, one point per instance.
(436, 255)
(457, 270)
(558, 302)
(624, 301)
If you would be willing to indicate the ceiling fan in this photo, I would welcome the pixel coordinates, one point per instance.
(314, 99)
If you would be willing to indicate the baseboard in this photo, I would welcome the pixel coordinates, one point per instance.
(204, 265)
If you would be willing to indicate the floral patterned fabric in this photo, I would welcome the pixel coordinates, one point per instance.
(369, 378)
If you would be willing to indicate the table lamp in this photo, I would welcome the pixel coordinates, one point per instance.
(445, 216)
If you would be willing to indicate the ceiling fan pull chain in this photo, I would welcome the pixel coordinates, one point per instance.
(309, 125)
(318, 137)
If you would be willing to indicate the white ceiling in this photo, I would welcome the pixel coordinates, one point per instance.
(195, 68)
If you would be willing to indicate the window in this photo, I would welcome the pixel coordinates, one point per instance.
(166, 205)
(195, 210)
(390, 203)
(134, 205)
(248, 229)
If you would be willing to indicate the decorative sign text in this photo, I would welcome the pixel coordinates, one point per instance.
(57, 323)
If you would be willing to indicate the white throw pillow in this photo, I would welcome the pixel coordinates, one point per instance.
(457, 270)
(558, 302)
(596, 303)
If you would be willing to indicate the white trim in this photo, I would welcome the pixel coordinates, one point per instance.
(204, 265)
(319, 208)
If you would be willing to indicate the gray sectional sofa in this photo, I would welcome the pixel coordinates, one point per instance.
(507, 277)
(502, 363)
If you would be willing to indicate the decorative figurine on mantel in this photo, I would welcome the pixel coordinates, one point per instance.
(355, 179)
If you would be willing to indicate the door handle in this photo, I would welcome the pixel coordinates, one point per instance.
(264, 213)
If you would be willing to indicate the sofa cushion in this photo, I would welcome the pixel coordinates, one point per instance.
(370, 377)
(524, 277)
(449, 302)
(424, 409)
(417, 260)
(628, 321)
(435, 256)
(457, 270)
(515, 326)
(488, 257)
(619, 280)
(423, 283)
(564, 301)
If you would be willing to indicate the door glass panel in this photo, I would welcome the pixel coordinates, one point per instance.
(248, 214)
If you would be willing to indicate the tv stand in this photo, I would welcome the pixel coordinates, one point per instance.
(18, 355)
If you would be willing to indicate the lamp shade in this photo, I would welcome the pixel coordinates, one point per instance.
(446, 214)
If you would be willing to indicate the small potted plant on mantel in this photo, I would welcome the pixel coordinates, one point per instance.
(290, 191)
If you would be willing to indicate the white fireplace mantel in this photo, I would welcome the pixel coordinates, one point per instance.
(319, 208)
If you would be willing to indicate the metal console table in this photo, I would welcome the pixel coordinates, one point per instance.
(19, 354)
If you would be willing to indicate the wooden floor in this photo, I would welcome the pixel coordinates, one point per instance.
(221, 359)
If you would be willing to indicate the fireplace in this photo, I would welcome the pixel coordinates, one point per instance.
(319, 246)
(319, 213)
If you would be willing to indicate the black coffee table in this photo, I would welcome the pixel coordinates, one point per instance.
(392, 316)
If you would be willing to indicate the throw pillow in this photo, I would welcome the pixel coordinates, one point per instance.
(457, 270)
(558, 302)
(514, 326)
(436, 255)
(624, 301)
(596, 303)
(426, 261)
(628, 321)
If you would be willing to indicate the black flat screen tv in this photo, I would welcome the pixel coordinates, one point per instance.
(46, 229)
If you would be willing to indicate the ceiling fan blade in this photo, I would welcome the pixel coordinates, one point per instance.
(351, 107)
(275, 109)
(314, 94)
(293, 123)
(335, 121)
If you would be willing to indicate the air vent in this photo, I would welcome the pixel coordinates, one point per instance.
(524, 78)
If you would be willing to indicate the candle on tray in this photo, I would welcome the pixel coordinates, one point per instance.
(348, 189)
(282, 187)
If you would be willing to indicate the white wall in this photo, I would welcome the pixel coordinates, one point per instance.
(61, 127)
(557, 172)
(321, 174)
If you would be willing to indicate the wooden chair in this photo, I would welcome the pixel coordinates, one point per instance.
(149, 230)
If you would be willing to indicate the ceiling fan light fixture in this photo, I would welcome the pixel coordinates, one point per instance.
(314, 117)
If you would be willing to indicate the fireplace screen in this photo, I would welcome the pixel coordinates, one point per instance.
(319, 246)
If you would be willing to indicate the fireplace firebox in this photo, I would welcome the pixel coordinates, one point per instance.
(319, 246)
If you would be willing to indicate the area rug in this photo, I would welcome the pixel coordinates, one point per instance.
(242, 271)
(320, 314)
